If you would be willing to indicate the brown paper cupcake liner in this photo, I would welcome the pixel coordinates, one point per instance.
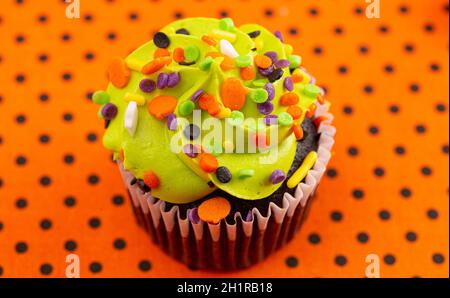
(246, 241)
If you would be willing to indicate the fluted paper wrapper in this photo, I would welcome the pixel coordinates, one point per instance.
(230, 246)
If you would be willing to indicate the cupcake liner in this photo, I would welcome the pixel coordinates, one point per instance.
(229, 246)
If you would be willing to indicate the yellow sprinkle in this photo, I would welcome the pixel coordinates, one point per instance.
(134, 64)
(301, 172)
(220, 34)
(139, 99)
(224, 113)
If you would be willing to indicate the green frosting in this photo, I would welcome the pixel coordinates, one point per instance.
(181, 178)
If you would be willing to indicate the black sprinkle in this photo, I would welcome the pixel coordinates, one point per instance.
(182, 31)
(254, 49)
(223, 174)
(143, 186)
(133, 181)
(184, 63)
(211, 184)
(161, 40)
(254, 34)
(107, 122)
(275, 75)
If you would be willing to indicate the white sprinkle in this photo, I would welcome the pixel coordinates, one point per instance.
(131, 117)
(227, 49)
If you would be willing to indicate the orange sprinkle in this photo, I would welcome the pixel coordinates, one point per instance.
(208, 103)
(153, 66)
(161, 106)
(261, 140)
(214, 54)
(319, 120)
(289, 99)
(262, 61)
(311, 111)
(233, 94)
(321, 99)
(208, 163)
(178, 55)
(248, 73)
(214, 210)
(298, 131)
(209, 40)
(166, 60)
(296, 77)
(295, 111)
(119, 73)
(227, 63)
(151, 180)
(161, 52)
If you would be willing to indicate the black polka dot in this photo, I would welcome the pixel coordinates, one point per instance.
(394, 108)
(42, 19)
(432, 213)
(438, 258)
(67, 76)
(353, 151)
(362, 237)
(46, 269)
(43, 58)
(313, 11)
(403, 9)
(314, 238)
(93, 179)
(20, 119)
(91, 137)
(409, 48)
(89, 95)
(118, 200)
(383, 29)
(434, 67)
(69, 159)
(88, 17)
(70, 201)
(389, 68)
(45, 181)
(21, 247)
(95, 267)
(44, 138)
(358, 193)
(46, 224)
(21, 203)
(20, 38)
(363, 49)
(389, 259)
(70, 245)
(358, 10)
(374, 130)
(414, 87)
(21, 160)
(1, 226)
(368, 89)
(421, 128)
(428, 27)
(291, 262)
(111, 36)
(223, 14)
(348, 110)
(94, 222)
(405, 192)
(426, 171)
(144, 265)
(444, 148)
(1, 270)
(384, 214)
(67, 117)
(332, 173)
(133, 16)
(400, 150)
(379, 172)
(338, 30)
(411, 236)
(268, 12)
(440, 107)
(119, 244)
(343, 69)
(66, 37)
(340, 260)
(43, 97)
(293, 31)
(89, 56)
(336, 216)
(318, 50)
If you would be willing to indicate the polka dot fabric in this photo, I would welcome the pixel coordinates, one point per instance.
(386, 191)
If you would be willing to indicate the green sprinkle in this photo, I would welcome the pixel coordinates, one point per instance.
(191, 53)
(226, 24)
(206, 63)
(294, 60)
(245, 173)
(100, 97)
(186, 108)
(285, 119)
(260, 82)
(243, 61)
(312, 90)
(258, 95)
(236, 118)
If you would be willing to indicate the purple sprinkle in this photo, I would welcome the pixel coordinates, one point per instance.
(109, 111)
(147, 85)
(172, 121)
(197, 94)
(266, 71)
(265, 108)
(173, 79)
(270, 120)
(162, 80)
(193, 215)
(282, 63)
(288, 84)
(277, 177)
(249, 216)
(190, 150)
(272, 55)
(279, 35)
(270, 91)
(313, 80)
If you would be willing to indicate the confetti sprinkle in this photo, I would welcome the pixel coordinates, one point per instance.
(285, 119)
(172, 122)
(243, 61)
(258, 95)
(282, 63)
(139, 99)
(161, 82)
(270, 91)
(100, 97)
(191, 132)
(302, 171)
(208, 163)
(119, 73)
(277, 176)
(161, 52)
(236, 118)
(191, 53)
(214, 210)
(272, 55)
(173, 79)
(233, 94)
(263, 61)
(245, 173)
(288, 84)
(289, 99)
(131, 117)
(275, 75)
(209, 40)
(311, 90)
(109, 111)
(182, 31)
(186, 108)
(270, 120)
(151, 180)
(248, 73)
(147, 85)
(265, 72)
(161, 106)
(298, 132)
(254, 34)
(265, 108)
(227, 49)
(153, 66)
(295, 111)
(226, 24)
(279, 35)
(161, 40)
(190, 150)
(192, 215)
(205, 64)
(223, 174)
(221, 34)
(294, 61)
(196, 95)
(178, 55)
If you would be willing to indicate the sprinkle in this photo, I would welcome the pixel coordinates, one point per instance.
(224, 113)
(161, 52)
(262, 61)
(311, 111)
(173, 79)
(223, 174)
(227, 64)
(151, 180)
(220, 34)
(226, 24)
(186, 108)
(282, 63)
(278, 34)
(172, 122)
(259, 83)
(208, 163)
(265, 72)
(191, 132)
(289, 99)
(288, 84)
(265, 108)
(318, 120)
(161, 82)
(260, 140)
(142, 186)
(298, 132)
(321, 99)
(153, 66)
(147, 85)
(161, 40)
(245, 173)
(302, 171)
(277, 176)
(184, 63)
(243, 61)
(208, 102)
(270, 91)
(100, 97)
(227, 49)
(191, 53)
(190, 150)
(254, 34)
(209, 40)
(294, 61)
(178, 55)
(182, 31)
(275, 75)
(139, 99)
(270, 120)
(214, 210)
(109, 111)
(258, 95)
(248, 73)
(192, 215)
(272, 55)
(161, 106)
(131, 117)
(233, 93)
(285, 119)
(312, 90)
(133, 181)
(196, 95)
(297, 77)
(295, 111)
(119, 73)
(236, 118)
(205, 64)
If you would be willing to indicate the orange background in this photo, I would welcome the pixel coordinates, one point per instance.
(404, 65)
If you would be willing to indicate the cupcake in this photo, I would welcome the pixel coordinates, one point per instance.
(221, 138)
